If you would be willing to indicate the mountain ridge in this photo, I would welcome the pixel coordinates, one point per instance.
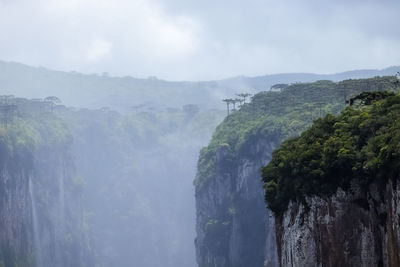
(127, 93)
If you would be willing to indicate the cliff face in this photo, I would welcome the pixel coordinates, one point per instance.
(61, 236)
(355, 227)
(232, 227)
(16, 238)
(41, 218)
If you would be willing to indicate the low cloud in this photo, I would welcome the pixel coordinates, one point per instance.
(98, 50)
(178, 39)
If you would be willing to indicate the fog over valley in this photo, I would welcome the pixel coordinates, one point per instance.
(168, 133)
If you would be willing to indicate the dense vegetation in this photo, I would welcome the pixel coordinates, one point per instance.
(277, 116)
(26, 128)
(362, 142)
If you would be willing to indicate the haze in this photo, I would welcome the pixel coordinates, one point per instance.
(198, 40)
(106, 105)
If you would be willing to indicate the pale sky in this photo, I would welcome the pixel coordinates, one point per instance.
(201, 40)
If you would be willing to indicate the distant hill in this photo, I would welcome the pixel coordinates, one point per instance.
(132, 94)
(262, 83)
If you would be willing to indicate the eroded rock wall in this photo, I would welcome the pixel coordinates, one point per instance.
(233, 226)
(358, 226)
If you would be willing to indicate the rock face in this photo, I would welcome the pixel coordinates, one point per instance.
(358, 226)
(233, 226)
(41, 217)
(16, 237)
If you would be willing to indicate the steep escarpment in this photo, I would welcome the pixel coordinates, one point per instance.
(16, 237)
(60, 229)
(334, 190)
(224, 235)
(233, 227)
(353, 227)
(41, 217)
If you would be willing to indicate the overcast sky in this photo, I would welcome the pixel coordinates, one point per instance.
(197, 40)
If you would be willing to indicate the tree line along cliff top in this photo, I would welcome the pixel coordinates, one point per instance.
(361, 143)
(277, 116)
(24, 126)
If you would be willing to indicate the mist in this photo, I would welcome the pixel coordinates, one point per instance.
(106, 108)
(132, 148)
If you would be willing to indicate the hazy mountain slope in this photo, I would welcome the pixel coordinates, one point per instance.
(131, 94)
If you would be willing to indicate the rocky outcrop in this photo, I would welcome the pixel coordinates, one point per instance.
(359, 226)
(233, 227)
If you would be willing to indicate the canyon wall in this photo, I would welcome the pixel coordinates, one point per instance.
(354, 227)
(42, 220)
(233, 226)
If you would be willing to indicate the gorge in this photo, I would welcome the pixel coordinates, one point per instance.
(88, 187)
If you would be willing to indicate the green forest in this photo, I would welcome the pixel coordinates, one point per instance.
(360, 143)
(281, 115)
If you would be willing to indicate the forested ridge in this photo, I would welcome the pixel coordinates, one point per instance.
(281, 115)
(361, 143)
(129, 94)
